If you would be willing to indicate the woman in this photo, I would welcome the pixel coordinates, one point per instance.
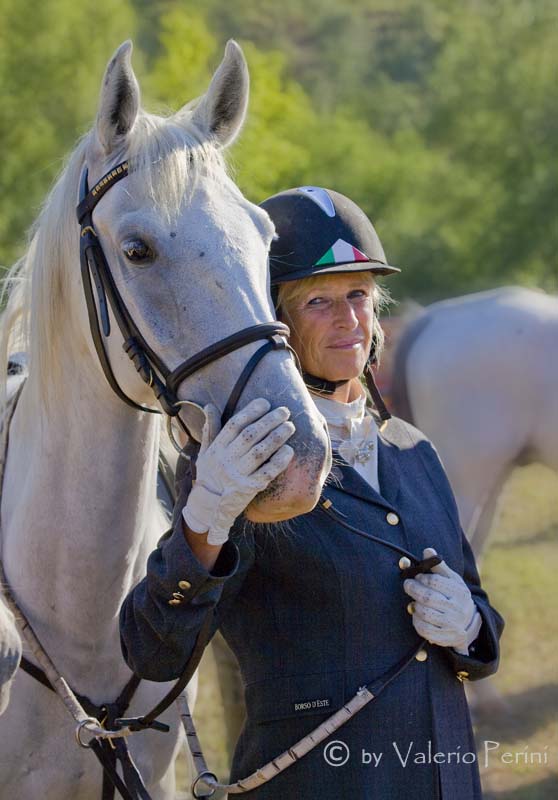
(319, 610)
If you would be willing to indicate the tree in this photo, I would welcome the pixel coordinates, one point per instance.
(495, 113)
(274, 147)
(438, 119)
(50, 73)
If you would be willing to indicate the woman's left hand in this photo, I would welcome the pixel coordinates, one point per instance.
(443, 610)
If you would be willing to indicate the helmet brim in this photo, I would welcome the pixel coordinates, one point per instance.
(376, 267)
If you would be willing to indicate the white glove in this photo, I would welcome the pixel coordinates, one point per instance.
(235, 464)
(444, 612)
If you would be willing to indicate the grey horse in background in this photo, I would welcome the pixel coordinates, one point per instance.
(479, 375)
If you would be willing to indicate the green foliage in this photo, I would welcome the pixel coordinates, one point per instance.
(273, 149)
(494, 108)
(52, 56)
(438, 118)
(183, 66)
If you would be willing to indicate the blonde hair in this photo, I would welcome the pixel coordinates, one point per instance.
(291, 291)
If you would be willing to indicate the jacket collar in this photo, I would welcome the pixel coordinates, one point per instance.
(347, 479)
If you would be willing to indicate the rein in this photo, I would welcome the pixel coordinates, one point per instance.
(108, 735)
(108, 751)
(207, 781)
(108, 741)
(105, 723)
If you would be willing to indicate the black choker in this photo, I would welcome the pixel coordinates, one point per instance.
(328, 387)
(321, 384)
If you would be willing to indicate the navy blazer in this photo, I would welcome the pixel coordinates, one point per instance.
(313, 612)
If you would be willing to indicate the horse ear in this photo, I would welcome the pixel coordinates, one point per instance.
(120, 99)
(221, 111)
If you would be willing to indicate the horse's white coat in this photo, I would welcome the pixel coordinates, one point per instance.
(11, 646)
(79, 510)
(10, 653)
(482, 378)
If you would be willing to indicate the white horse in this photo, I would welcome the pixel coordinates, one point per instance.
(10, 640)
(479, 375)
(10, 653)
(79, 514)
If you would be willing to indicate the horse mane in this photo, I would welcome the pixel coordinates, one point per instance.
(166, 156)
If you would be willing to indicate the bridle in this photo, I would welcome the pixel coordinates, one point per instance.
(108, 742)
(163, 382)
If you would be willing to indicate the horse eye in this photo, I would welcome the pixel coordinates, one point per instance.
(137, 251)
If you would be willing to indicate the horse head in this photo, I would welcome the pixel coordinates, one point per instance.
(188, 256)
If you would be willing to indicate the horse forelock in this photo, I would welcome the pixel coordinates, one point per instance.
(167, 155)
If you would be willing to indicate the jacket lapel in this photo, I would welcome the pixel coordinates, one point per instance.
(347, 479)
(389, 468)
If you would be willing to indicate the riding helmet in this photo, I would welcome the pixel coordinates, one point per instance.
(320, 231)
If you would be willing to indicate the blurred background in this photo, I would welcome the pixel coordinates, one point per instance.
(440, 119)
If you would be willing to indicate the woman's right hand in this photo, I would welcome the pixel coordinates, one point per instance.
(235, 464)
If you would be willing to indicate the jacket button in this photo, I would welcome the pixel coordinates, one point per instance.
(392, 519)
(404, 562)
(463, 675)
(421, 655)
(174, 601)
(411, 608)
(184, 585)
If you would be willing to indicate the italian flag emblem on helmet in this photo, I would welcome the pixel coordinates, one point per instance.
(341, 253)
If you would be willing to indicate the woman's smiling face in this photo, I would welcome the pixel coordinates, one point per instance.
(331, 324)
